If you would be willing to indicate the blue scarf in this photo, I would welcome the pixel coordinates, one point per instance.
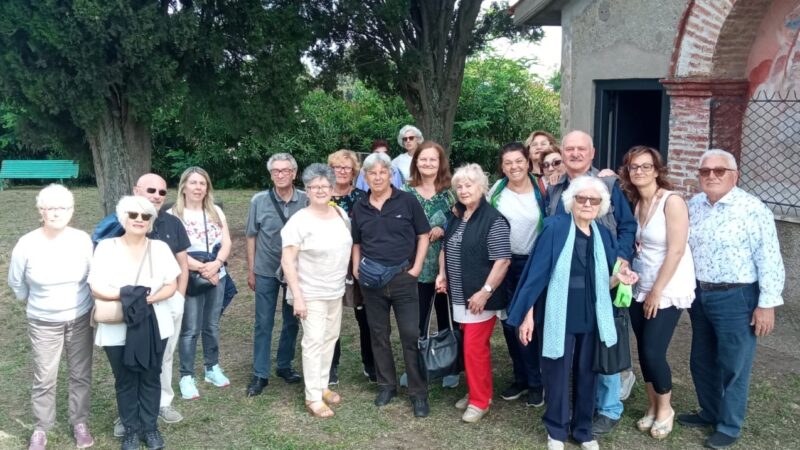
(555, 322)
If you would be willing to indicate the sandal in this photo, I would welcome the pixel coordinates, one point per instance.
(661, 430)
(319, 409)
(645, 423)
(331, 398)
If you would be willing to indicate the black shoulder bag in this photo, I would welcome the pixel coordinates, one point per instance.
(197, 284)
(438, 352)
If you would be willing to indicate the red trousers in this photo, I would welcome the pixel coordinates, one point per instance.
(478, 361)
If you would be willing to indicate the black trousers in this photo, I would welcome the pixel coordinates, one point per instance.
(401, 296)
(138, 393)
(652, 341)
(525, 359)
(558, 417)
(427, 291)
(366, 344)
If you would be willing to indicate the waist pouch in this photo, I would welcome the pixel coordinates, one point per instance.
(374, 275)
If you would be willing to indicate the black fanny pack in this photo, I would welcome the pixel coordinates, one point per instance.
(374, 275)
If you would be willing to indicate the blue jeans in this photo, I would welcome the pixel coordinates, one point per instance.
(608, 402)
(201, 315)
(266, 303)
(723, 346)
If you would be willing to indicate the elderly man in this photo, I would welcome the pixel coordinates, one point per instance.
(740, 278)
(577, 152)
(269, 211)
(408, 138)
(390, 239)
(381, 146)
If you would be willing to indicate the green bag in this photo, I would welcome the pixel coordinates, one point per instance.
(624, 291)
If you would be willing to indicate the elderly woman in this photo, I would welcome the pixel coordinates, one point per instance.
(141, 273)
(409, 138)
(379, 146)
(569, 287)
(551, 165)
(666, 277)
(48, 268)
(475, 257)
(206, 227)
(520, 200)
(345, 165)
(316, 252)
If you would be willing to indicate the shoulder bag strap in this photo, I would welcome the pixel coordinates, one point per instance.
(205, 227)
(141, 264)
(277, 206)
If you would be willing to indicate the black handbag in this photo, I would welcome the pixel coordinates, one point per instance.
(198, 285)
(438, 352)
(617, 358)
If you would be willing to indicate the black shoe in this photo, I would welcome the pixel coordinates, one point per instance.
(720, 440)
(257, 384)
(333, 377)
(153, 440)
(131, 439)
(693, 420)
(535, 397)
(289, 375)
(420, 405)
(369, 372)
(603, 425)
(385, 396)
(514, 391)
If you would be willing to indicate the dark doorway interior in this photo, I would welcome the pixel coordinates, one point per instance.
(628, 113)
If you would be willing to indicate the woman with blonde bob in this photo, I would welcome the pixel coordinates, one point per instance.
(48, 268)
(567, 280)
(206, 227)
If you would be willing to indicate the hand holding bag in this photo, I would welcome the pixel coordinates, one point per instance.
(617, 358)
(438, 352)
(110, 311)
(197, 284)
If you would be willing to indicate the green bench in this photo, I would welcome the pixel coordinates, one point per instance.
(54, 169)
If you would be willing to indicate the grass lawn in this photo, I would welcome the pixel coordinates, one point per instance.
(225, 418)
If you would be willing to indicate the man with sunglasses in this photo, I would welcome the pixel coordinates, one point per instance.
(577, 153)
(740, 277)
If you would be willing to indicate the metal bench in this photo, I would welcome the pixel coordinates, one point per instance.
(55, 169)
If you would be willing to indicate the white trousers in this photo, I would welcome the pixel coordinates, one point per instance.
(320, 332)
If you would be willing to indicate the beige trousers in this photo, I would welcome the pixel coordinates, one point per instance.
(320, 332)
(48, 340)
(176, 308)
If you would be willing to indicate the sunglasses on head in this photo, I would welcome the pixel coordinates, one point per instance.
(719, 172)
(161, 192)
(134, 215)
(553, 164)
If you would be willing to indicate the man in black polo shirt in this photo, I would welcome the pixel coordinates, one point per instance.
(390, 228)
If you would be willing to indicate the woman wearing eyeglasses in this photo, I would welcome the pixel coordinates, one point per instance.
(48, 269)
(206, 227)
(141, 273)
(551, 165)
(666, 277)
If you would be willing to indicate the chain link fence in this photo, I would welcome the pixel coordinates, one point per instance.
(764, 134)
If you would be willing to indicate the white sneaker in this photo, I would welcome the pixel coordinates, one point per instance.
(217, 377)
(591, 445)
(188, 388)
(627, 380)
(553, 444)
(463, 402)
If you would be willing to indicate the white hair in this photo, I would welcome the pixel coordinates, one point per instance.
(474, 173)
(135, 203)
(722, 153)
(583, 183)
(377, 158)
(55, 195)
(282, 157)
(405, 130)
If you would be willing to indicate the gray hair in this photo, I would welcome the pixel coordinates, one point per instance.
(54, 195)
(135, 203)
(722, 153)
(581, 184)
(405, 130)
(281, 157)
(377, 158)
(318, 170)
(474, 173)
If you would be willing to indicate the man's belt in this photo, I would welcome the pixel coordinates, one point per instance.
(720, 286)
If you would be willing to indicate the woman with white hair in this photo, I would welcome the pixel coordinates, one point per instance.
(409, 139)
(48, 268)
(476, 253)
(141, 273)
(567, 280)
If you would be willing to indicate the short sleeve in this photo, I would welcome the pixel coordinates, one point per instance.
(102, 262)
(182, 238)
(290, 233)
(354, 231)
(251, 227)
(221, 214)
(166, 267)
(421, 225)
(499, 240)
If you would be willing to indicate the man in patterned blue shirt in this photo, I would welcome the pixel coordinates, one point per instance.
(740, 278)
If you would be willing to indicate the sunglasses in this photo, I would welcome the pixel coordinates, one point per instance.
(161, 192)
(719, 172)
(409, 138)
(582, 199)
(135, 215)
(553, 164)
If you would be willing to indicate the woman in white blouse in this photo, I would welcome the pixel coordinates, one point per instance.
(48, 268)
(134, 260)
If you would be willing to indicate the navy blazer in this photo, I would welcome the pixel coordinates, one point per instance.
(536, 276)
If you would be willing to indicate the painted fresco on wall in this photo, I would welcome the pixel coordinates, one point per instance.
(774, 63)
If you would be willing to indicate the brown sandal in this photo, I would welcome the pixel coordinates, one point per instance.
(319, 409)
(331, 398)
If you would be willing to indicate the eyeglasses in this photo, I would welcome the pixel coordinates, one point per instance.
(161, 192)
(320, 188)
(645, 167)
(281, 172)
(408, 138)
(135, 215)
(554, 164)
(56, 208)
(344, 169)
(719, 172)
(582, 199)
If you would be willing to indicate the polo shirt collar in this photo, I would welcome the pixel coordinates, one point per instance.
(295, 195)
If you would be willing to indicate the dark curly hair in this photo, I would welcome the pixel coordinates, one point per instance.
(625, 178)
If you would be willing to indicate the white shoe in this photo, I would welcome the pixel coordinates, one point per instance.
(627, 380)
(553, 444)
(591, 445)
(188, 388)
(463, 402)
(474, 414)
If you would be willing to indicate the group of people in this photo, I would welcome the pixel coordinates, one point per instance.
(542, 250)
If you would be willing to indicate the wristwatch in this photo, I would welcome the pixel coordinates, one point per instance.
(488, 288)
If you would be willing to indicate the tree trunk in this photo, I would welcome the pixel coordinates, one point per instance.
(121, 150)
